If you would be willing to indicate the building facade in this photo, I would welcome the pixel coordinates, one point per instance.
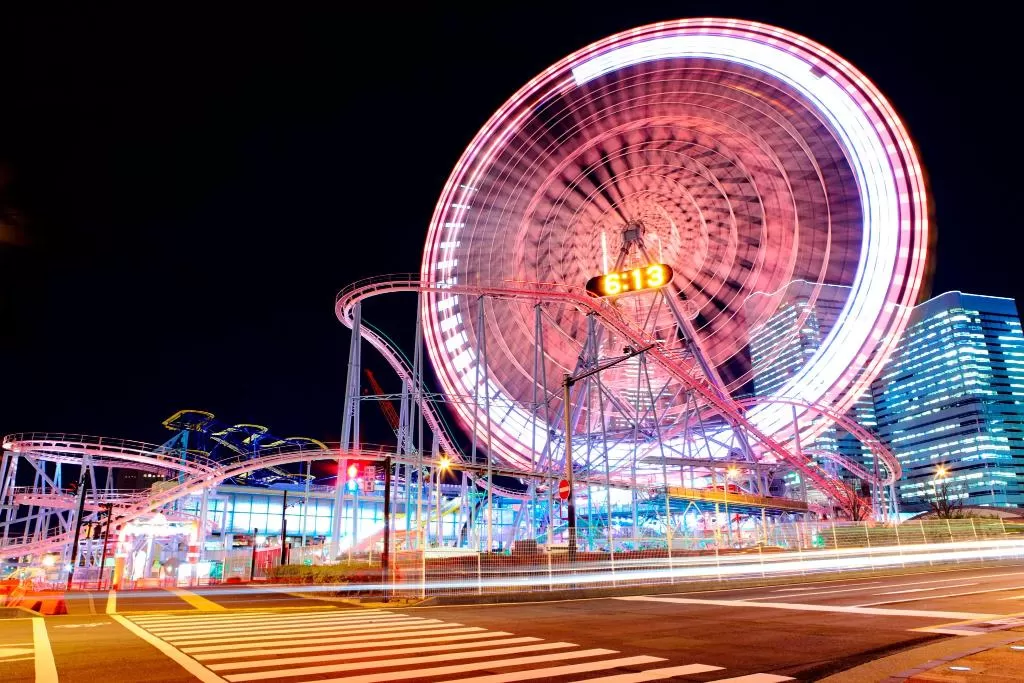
(950, 403)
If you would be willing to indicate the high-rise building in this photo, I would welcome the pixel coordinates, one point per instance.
(785, 342)
(950, 403)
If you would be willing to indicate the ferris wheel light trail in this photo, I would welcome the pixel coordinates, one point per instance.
(753, 157)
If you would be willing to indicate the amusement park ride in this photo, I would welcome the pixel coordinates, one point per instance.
(595, 269)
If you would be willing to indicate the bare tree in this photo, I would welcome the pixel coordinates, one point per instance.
(943, 506)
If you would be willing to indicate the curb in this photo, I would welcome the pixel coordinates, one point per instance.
(915, 661)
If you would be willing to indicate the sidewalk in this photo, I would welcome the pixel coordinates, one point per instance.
(999, 663)
(997, 656)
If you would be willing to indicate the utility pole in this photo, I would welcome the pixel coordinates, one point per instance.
(106, 539)
(284, 529)
(252, 562)
(385, 556)
(570, 515)
(567, 383)
(82, 484)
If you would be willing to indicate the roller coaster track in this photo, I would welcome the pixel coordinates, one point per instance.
(107, 452)
(200, 473)
(609, 316)
(893, 469)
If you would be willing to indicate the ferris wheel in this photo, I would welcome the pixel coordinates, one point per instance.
(724, 188)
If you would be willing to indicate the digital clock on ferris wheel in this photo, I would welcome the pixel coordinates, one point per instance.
(640, 279)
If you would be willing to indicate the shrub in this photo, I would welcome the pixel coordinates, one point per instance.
(344, 572)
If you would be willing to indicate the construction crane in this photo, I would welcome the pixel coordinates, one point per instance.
(385, 406)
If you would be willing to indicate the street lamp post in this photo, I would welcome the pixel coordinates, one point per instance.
(568, 381)
(570, 514)
(109, 510)
(385, 556)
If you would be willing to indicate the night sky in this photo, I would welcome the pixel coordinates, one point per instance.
(184, 194)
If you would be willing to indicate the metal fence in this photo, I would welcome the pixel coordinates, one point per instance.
(785, 549)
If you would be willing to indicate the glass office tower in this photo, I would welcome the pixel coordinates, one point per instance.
(950, 403)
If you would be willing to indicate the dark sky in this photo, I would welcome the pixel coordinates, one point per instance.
(193, 189)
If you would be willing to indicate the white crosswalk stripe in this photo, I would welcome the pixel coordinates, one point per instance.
(376, 646)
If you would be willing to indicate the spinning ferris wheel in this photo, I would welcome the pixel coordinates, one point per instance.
(677, 206)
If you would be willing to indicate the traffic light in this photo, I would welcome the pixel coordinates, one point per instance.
(353, 472)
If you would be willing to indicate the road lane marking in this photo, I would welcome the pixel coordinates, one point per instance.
(432, 624)
(656, 674)
(367, 636)
(390, 652)
(192, 617)
(947, 595)
(842, 585)
(922, 590)
(854, 590)
(478, 639)
(427, 649)
(285, 622)
(431, 673)
(111, 601)
(381, 663)
(197, 601)
(550, 672)
(183, 660)
(46, 667)
(336, 614)
(804, 607)
(235, 614)
(339, 622)
(436, 672)
(754, 678)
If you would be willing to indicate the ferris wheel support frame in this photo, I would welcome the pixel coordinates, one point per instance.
(534, 293)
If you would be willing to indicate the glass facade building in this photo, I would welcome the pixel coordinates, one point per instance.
(950, 403)
(784, 344)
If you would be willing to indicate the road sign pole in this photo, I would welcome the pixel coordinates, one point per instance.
(385, 556)
(284, 529)
(106, 540)
(252, 562)
(570, 502)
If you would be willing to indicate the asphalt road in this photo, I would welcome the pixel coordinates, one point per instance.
(802, 631)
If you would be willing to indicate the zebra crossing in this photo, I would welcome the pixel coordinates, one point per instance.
(375, 645)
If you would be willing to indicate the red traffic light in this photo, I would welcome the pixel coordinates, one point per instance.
(353, 471)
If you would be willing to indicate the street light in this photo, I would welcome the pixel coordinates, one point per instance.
(567, 383)
(941, 473)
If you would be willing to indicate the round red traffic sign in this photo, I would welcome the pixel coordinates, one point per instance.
(563, 489)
